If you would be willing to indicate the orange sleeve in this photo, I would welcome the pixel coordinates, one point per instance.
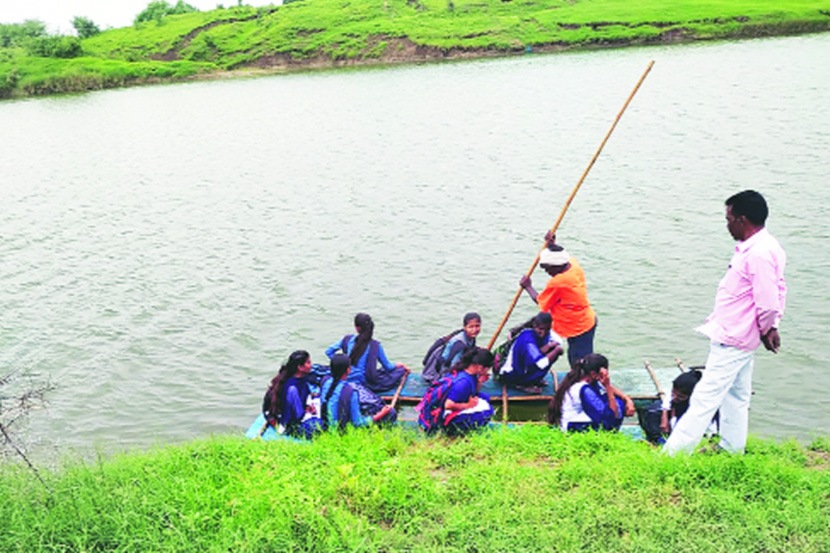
(548, 297)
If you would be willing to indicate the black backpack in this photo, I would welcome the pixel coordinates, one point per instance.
(433, 360)
(502, 351)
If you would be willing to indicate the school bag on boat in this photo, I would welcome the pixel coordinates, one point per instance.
(502, 352)
(434, 360)
(431, 407)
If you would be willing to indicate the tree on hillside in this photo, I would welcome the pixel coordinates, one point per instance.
(158, 9)
(15, 34)
(85, 27)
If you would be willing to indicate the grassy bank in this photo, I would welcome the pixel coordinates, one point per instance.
(327, 33)
(527, 489)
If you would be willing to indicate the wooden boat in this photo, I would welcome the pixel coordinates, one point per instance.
(511, 405)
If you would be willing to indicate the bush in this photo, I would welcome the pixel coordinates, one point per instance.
(8, 82)
(15, 34)
(55, 47)
(159, 9)
(85, 27)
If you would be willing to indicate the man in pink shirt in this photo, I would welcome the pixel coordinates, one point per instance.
(749, 305)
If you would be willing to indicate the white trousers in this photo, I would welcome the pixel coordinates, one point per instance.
(726, 385)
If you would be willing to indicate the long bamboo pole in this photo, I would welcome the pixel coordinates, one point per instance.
(568, 202)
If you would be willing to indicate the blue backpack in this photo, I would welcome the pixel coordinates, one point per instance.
(431, 407)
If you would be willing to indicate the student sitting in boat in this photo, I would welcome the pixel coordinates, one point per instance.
(662, 415)
(289, 406)
(466, 408)
(365, 355)
(530, 357)
(586, 399)
(340, 405)
(463, 340)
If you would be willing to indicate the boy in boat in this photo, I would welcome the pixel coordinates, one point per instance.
(565, 297)
(531, 356)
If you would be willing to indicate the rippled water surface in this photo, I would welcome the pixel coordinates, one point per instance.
(162, 249)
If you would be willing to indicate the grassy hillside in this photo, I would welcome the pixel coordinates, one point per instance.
(527, 489)
(314, 33)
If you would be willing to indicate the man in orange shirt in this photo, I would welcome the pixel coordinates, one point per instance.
(565, 297)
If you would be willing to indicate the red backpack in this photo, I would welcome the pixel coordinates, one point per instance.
(431, 407)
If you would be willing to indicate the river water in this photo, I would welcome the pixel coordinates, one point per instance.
(163, 249)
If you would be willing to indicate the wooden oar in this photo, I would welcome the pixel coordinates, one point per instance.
(654, 379)
(568, 202)
(398, 391)
(262, 430)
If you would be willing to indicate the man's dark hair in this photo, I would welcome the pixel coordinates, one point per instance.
(750, 204)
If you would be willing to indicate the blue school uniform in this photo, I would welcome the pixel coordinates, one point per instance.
(586, 406)
(335, 411)
(453, 350)
(527, 365)
(295, 418)
(367, 365)
(463, 388)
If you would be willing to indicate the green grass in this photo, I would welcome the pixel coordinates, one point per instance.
(526, 489)
(333, 32)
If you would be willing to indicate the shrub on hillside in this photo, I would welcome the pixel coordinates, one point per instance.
(54, 47)
(159, 9)
(8, 81)
(15, 34)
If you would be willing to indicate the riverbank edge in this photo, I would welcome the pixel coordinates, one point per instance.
(403, 51)
(396, 490)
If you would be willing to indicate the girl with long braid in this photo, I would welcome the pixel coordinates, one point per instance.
(370, 366)
(586, 399)
(371, 371)
(288, 404)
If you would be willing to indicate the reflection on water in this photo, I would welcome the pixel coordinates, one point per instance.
(164, 248)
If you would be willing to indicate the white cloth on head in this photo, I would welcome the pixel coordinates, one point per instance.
(548, 257)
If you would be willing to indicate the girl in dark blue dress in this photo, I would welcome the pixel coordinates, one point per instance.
(466, 408)
(586, 399)
(289, 406)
